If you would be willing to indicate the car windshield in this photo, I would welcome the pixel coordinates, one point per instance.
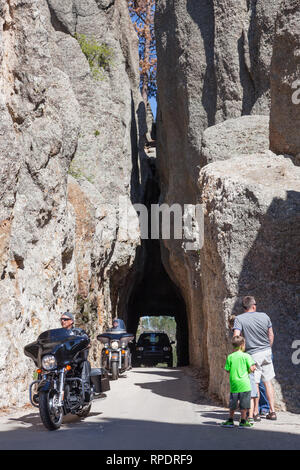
(153, 339)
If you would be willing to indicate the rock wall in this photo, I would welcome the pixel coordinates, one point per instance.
(285, 82)
(214, 73)
(213, 65)
(234, 137)
(252, 242)
(69, 146)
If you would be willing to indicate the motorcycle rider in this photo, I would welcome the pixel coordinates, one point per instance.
(67, 321)
(118, 324)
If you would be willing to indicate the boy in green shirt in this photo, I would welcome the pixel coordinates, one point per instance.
(239, 364)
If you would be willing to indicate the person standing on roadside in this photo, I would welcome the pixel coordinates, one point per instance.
(239, 364)
(257, 330)
(254, 392)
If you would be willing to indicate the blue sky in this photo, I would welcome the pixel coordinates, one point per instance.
(152, 101)
(153, 105)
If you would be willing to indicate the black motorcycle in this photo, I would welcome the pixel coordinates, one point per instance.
(116, 355)
(61, 387)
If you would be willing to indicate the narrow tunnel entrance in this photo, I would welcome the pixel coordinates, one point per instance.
(154, 293)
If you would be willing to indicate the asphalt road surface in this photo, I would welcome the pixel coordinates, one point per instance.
(149, 409)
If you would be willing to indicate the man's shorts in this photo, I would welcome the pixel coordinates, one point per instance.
(264, 366)
(254, 392)
(244, 398)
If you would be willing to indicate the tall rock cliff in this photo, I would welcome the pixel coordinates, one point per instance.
(72, 164)
(252, 241)
(69, 146)
(213, 64)
(215, 94)
(285, 82)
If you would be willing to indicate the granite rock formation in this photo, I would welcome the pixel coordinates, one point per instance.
(214, 75)
(233, 137)
(70, 145)
(252, 242)
(72, 151)
(213, 65)
(285, 82)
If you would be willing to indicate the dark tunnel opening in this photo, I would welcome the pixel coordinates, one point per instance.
(154, 293)
(157, 295)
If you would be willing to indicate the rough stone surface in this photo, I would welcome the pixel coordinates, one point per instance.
(213, 64)
(219, 54)
(109, 160)
(235, 137)
(243, 43)
(71, 145)
(39, 129)
(54, 120)
(252, 243)
(285, 82)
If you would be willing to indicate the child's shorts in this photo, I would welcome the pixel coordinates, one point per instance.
(244, 398)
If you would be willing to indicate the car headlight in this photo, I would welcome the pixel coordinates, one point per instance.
(49, 362)
(114, 345)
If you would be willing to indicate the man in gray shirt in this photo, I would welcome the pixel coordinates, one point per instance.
(257, 330)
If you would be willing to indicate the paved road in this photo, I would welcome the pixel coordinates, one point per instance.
(150, 408)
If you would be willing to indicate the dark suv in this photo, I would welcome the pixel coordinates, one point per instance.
(152, 348)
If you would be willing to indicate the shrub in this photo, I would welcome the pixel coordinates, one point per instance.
(99, 56)
(76, 172)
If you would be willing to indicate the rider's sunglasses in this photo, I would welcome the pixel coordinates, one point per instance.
(65, 319)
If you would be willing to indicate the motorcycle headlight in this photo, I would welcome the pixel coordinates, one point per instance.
(166, 348)
(114, 345)
(49, 362)
(140, 348)
(123, 345)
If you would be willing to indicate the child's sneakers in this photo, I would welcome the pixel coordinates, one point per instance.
(228, 424)
(246, 424)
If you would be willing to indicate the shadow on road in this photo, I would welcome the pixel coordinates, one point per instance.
(177, 384)
(35, 421)
(122, 434)
(182, 427)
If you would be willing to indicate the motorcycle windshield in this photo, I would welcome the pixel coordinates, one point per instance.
(117, 335)
(121, 324)
(59, 342)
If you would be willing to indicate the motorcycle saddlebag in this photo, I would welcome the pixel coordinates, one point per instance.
(100, 380)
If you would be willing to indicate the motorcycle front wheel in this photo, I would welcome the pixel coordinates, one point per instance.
(51, 415)
(114, 370)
